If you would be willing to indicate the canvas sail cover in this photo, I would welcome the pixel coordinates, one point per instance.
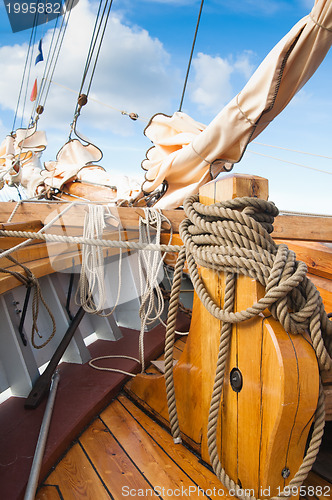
(186, 154)
(77, 161)
(20, 164)
(20, 156)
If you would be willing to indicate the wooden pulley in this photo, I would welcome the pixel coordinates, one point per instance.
(39, 109)
(82, 100)
(271, 382)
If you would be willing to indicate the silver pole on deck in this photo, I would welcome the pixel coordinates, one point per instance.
(30, 491)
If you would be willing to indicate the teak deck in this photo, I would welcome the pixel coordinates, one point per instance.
(125, 453)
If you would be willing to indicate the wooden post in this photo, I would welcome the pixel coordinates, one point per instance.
(264, 426)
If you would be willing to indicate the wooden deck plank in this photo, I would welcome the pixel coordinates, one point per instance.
(49, 492)
(302, 227)
(114, 466)
(76, 477)
(188, 461)
(286, 226)
(317, 256)
(315, 487)
(178, 349)
(101, 464)
(158, 467)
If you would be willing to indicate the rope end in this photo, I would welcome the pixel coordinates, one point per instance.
(177, 440)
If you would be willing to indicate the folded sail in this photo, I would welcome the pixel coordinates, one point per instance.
(186, 154)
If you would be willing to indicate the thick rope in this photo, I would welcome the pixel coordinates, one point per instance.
(30, 279)
(247, 248)
(169, 345)
(224, 239)
(127, 245)
(92, 280)
(17, 206)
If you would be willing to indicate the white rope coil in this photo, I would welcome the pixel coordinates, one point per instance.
(150, 264)
(92, 284)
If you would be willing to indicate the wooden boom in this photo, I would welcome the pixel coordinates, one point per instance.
(264, 426)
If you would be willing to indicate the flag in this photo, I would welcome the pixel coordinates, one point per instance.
(33, 95)
(40, 56)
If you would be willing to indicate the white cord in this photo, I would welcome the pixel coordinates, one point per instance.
(149, 266)
(92, 281)
(92, 278)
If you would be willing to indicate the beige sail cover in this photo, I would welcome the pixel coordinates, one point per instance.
(20, 157)
(20, 163)
(77, 161)
(185, 153)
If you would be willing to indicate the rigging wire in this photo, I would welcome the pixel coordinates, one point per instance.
(191, 55)
(28, 65)
(292, 150)
(96, 41)
(93, 42)
(99, 47)
(290, 162)
(48, 63)
(145, 119)
(30, 48)
(53, 56)
(141, 118)
(27, 85)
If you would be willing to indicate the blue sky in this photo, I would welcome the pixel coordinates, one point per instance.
(142, 67)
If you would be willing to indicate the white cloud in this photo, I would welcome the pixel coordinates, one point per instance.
(3, 131)
(212, 86)
(212, 81)
(133, 73)
(243, 64)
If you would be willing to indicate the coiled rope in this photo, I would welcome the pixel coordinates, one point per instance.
(234, 237)
(150, 275)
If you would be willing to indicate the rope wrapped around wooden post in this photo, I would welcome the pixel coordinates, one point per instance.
(234, 237)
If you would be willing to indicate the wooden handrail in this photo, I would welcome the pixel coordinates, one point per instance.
(293, 227)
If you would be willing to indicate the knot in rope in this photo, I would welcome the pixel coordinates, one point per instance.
(234, 237)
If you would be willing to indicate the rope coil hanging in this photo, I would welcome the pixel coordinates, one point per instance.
(29, 280)
(227, 240)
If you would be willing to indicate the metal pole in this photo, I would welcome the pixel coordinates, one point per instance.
(42, 384)
(40, 448)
